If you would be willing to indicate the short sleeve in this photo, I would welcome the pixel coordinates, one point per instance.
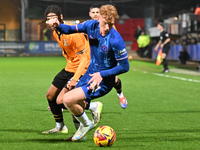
(167, 34)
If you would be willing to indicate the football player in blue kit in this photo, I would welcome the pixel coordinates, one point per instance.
(94, 14)
(108, 59)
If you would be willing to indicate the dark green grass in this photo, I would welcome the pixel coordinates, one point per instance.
(162, 114)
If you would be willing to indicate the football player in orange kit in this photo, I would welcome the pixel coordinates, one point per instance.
(76, 50)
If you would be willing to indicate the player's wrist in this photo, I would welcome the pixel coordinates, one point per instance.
(74, 80)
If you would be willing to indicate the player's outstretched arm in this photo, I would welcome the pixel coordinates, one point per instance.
(82, 27)
(66, 29)
(62, 28)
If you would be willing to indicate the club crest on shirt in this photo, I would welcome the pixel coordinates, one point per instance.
(104, 48)
(65, 42)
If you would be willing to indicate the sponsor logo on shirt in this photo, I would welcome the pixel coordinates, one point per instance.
(122, 52)
(104, 48)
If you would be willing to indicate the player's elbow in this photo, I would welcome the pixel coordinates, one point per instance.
(126, 68)
(125, 65)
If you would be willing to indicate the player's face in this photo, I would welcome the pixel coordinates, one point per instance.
(51, 16)
(159, 27)
(105, 26)
(94, 13)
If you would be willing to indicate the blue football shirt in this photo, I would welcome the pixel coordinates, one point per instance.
(106, 51)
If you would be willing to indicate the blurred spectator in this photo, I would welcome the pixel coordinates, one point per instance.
(184, 40)
(198, 38)
(191, 40)
(138, 32)
(192, 10)
(143, 44)
(184, 56)
(47, 34)
(197, 12)
(188, 37)
(192, 22)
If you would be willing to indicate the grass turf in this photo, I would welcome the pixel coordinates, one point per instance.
(162, 114)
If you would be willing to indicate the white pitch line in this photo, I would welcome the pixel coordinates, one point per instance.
(168, 76)
(175, 77)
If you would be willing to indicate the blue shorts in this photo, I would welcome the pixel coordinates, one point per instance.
(105, 87)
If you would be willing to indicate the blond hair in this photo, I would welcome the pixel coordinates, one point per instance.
(109, 12)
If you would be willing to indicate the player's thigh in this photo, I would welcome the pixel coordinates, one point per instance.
(60, 96)
(52, 92)
(74, 96)
(165, 51)
(164, 55)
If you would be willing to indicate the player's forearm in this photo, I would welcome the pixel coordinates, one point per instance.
(159, 43)
(84, 62)
(119, 69)
(66, 29)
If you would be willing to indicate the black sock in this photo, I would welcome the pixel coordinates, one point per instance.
(165, 64)
(86, 105)
(62, 106)
(56, 110)
(118, 86)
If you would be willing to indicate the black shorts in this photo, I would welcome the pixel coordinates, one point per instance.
(61, 79)
(166, 49)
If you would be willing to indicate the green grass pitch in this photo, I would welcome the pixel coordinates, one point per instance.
(163, 112)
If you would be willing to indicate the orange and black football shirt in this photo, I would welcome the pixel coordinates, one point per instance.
(76, 49)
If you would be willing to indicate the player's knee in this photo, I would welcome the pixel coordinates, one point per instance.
(163, 56)
(59, 100)
(68, 104)
(67, 101)
(49, 97)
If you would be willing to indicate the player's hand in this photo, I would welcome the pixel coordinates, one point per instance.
(161, 46)
(95, 81)
(71, 85)
(156, 48)
(53, 22)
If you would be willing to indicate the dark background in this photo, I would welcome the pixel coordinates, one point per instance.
(78, 9)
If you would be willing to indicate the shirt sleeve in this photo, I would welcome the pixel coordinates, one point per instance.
(119, 48)
(121, 56)
(119, 69)
(84, 63)
(166, 34)
(82, 27)
(82, 49)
